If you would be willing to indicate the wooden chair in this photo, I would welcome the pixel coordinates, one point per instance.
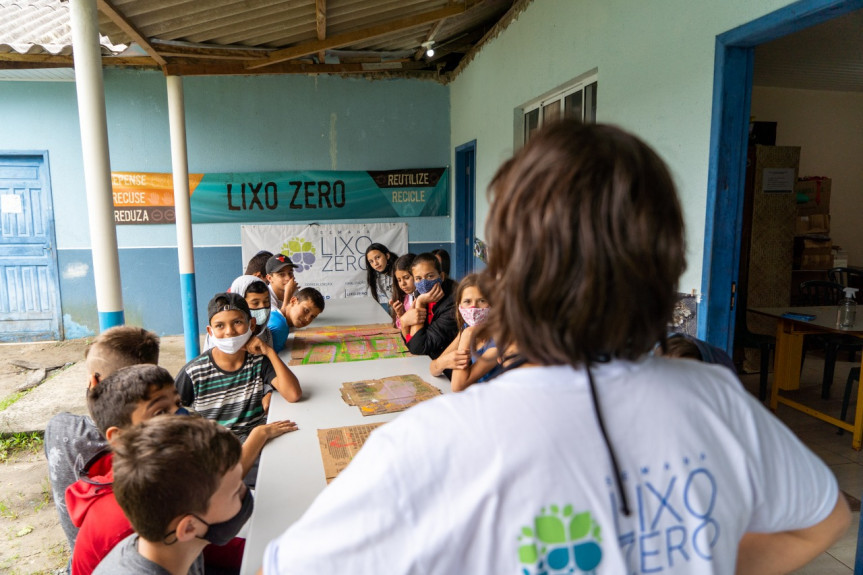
(848, 277)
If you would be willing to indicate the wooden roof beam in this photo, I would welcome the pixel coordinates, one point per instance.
(339, 40)
(108, 10)
(321, 25)
(429, 38)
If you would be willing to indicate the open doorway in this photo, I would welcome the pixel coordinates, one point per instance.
(734, 67)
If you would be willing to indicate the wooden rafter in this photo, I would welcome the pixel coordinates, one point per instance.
(191, 67)
(429, 37)
(108, 10)
(339, 40)
(12, 61)
(321, 25)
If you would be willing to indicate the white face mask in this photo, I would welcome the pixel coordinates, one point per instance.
(262, 316)
(232, 345)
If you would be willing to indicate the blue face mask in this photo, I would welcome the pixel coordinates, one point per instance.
(425, 286)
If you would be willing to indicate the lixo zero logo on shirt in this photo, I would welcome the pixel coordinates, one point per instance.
(560, 541)
(301, 252)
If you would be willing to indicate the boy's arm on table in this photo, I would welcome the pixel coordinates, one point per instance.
(259, 437)
(285, 382)
(783, 552)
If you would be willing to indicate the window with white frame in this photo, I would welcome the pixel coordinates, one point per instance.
(575, 100)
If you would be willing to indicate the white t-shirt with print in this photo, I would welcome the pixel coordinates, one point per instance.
(513, 477)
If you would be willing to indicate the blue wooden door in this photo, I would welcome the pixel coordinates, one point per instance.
(29, 291)
(465, 207)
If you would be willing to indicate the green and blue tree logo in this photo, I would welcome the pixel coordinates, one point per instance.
(560, 541)
(301, 252)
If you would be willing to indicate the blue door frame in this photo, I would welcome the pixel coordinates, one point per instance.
(732, 92)
(465, 207)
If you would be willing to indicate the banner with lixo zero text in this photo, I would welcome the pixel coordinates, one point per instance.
(328, 257)
(148, 198)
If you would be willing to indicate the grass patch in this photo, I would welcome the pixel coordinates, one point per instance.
(10, 399)
(19, 442)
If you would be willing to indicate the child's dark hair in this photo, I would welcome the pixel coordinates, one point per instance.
(679, 346)
(443, 256)
(403, 264)
(119, 347)
(257, 287)
(170, 466)
(258, 264)
(112, 402)
(588, 241)
(312, 295)
(470, 280)
(371, 278)
(427, 258)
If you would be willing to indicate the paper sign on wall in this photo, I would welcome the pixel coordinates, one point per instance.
(11, 204)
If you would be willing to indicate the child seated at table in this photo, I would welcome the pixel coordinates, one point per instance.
(435, 297)
(129, 396)
(180, 482)
(443, 257)
(228, 382)
(472, 356)
(257, 295)
(685, 346)
(126, 397)
(304, 307)
(257, 265)
(379, 273)
(71, 440)
(404, 292)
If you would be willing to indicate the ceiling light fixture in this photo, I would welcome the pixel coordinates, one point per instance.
(428, 47)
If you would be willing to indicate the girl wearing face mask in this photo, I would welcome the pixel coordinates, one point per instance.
(435, 297)
(256, 294)
(472, 356)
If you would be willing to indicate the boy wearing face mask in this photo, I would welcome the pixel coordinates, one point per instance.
(257, 296)
(127, 397)
(435, 297)
(228, 382)
(179, 480)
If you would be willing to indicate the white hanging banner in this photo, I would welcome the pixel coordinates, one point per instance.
(329, 257)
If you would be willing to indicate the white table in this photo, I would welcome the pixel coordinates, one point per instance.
(291, 472)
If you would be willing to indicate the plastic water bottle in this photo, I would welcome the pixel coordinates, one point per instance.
(847, 313)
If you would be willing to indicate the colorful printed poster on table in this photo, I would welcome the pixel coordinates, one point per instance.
(331, 257)
(148, 198)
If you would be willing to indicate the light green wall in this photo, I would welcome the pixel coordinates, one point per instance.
(655, 64)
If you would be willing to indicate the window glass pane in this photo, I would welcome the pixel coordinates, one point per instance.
(572, 106)
(551, 112)
(531, 123)
(590, 103)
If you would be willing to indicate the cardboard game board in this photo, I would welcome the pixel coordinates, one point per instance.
(388, 395)
(339, 445)
(332, 344)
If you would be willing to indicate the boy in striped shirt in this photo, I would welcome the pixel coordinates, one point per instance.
(228, 382)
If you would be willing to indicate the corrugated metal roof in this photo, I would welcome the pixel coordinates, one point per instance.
(190, 37)
(40, 27)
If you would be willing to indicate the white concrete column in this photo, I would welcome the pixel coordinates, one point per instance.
(97, 162)
(183, 214)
